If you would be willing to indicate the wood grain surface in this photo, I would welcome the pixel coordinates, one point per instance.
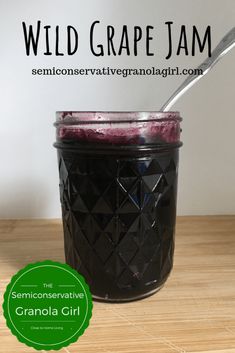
(194, 312)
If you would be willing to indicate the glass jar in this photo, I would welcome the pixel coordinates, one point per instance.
(118, 189)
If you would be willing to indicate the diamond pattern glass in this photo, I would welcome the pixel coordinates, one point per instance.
(119, 219)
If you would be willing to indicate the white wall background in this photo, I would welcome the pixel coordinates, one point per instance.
(28, 171)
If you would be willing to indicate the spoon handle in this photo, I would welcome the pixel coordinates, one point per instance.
(226, 44)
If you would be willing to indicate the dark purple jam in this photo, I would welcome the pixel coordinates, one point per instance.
(119, 207)
(95, 128)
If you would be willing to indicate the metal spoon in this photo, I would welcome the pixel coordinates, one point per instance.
(226, 44)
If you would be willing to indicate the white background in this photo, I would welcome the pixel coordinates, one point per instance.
(29, 177)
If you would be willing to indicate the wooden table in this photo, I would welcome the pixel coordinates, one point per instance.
(194, 312)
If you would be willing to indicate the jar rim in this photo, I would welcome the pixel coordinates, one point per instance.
(94, 117)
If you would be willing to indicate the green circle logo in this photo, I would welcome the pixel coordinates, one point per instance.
(47, 305)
